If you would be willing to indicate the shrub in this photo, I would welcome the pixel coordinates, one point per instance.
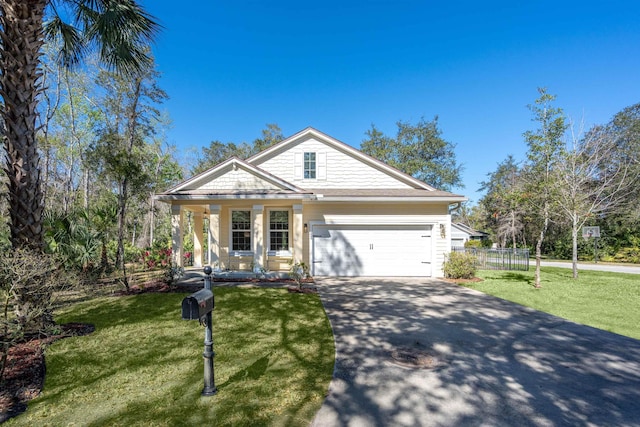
(157, 257)
(28, 281)
(298, 271)
(131, 253)
(172, 274)
(473, 244)
(460, 265)
(625, 254)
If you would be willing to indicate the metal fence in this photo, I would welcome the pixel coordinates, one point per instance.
(499, 259)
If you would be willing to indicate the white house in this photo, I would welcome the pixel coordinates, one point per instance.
(314, 199)
(462, 233)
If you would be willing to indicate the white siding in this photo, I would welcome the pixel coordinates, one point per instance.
(341, 170)
(238, 180)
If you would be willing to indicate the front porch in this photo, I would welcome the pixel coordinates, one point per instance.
(235, 238)
(195, 276)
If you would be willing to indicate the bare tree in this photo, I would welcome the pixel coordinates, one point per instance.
(545, 145)
(594, 178)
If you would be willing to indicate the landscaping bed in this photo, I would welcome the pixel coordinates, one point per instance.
(25, 370)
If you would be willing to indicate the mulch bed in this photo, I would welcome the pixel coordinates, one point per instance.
(152, 287)
(24, 373)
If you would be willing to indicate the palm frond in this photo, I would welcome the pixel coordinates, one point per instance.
(121, 29)
(70, 40)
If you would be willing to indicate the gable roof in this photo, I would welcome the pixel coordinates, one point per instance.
(468, 230)
(341, 146)
(245, 179)
(197, 184)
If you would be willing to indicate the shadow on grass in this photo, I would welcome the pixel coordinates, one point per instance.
(518, 277)
(253, 372)
(143, 365)
(509, 277)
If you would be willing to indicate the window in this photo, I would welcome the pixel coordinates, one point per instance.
(241, 230)
(309, 165)
(278, 230)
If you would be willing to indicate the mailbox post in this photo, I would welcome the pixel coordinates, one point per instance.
(198, 306)
(209, 382)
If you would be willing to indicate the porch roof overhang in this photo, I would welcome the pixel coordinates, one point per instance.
(386, 195)
(319, 196)
(197, 196)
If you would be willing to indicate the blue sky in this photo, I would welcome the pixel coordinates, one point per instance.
(231, 67)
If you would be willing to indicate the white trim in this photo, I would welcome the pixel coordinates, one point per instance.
(319, 198)
(233, 252)
(205, 197)
(283, 253)
(309, 170)
(233, 163)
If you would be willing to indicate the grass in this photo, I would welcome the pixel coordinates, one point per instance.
(143, 365)
(603, 300)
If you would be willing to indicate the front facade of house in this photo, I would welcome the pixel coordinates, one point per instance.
(313, 199)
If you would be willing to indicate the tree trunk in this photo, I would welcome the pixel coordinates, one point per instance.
(574, 242)
(122, 205)
(132, 121)
(513, 231)
(152, 220)
(20, 87)
(539, 246)
(536, 283)
(85, 186)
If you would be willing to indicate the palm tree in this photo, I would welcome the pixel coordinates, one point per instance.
(120, 29)
(104, 218)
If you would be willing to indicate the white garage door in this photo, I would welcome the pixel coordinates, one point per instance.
(368, 250)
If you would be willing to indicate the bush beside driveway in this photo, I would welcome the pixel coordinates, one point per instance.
(502, 363)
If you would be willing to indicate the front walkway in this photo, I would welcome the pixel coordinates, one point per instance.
(495, 362)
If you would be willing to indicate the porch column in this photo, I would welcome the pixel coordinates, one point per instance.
(197, 239)
(298, 234)
(257, 241)
(176, 235)
(214, 235)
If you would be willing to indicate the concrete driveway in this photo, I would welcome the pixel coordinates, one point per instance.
(421, 352)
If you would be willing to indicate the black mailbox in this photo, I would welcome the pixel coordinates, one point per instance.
(197, 305)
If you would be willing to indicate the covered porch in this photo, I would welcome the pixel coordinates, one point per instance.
(255, 236)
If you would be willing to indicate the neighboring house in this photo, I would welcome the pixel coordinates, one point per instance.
(314, 199)
(461, 234)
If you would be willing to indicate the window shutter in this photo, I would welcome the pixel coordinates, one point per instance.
(322, 166)
(297, 165)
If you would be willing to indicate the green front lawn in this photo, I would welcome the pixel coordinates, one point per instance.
(143, 365)
(604, 300)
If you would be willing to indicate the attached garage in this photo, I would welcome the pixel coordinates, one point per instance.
(371, 250)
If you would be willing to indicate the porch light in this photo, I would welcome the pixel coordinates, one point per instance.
(305, 228)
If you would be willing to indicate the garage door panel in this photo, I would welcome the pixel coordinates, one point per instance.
(334, 255)
(365, 250)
